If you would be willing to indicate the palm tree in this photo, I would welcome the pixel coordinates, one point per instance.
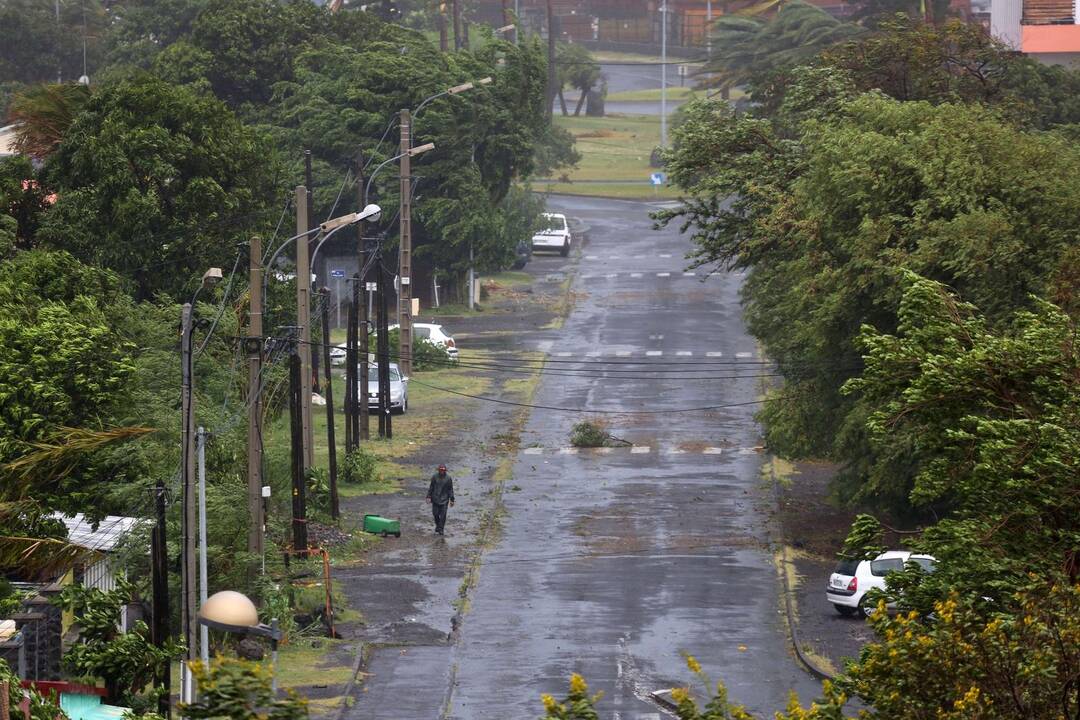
(42, 115)
(747, 45)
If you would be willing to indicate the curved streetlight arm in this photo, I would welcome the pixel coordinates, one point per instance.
(411, 152)
(323, 239)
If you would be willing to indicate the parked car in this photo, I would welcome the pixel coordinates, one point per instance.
(436, 335)
(399, 389)
(853, 579)
(556, 236)
(337, 354)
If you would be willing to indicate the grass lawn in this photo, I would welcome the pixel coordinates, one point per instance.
(674, 94)
(616, 147)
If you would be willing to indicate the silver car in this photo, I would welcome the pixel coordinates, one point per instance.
(399, 389)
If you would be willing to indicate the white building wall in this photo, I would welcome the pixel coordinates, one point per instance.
(1005, 21)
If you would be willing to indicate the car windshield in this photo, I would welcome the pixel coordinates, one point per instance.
(846, 567)
(879, 568)
(927, 564)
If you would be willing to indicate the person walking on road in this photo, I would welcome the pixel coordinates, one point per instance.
(440, 493)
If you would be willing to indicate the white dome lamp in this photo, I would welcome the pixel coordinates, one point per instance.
(234, 612)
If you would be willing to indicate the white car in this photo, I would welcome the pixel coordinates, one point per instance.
(337, 354)
(434, 334)
(852, 579)
(399, 389)
(555, 237)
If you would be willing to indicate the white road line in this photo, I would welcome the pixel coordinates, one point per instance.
(654, 353)
(635, 275)
(684, 353)
(713, 451)
(614, 257)
(640, 450)
(564, 354)
(714, 354)
(689, 274)
(568, 451)
(744, 355)
(656, 337)
(665, 255)
(601, 451)
(533, 451)
(622, 353)
(663, 274)
(593, 353)
(611, 276)
(640, 257)
(591, 257)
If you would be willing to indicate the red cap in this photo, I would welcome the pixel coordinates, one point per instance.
(442, 467)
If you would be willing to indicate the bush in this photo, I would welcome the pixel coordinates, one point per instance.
(359, 467)
(590, 434)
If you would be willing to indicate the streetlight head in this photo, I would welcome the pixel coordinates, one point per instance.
(371, 213)
(211, 277)
(460, 88)
(229, 608)
(487, 80)
(505, 28)
(420, 149)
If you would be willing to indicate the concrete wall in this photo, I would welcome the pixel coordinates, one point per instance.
(1005, 21)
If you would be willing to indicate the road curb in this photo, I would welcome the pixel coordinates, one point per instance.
(789, 609)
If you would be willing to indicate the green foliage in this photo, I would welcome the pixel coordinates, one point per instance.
(989, 418)
(22, 201)
(359, 467)
(972, 663)
(41, 707)
(158, 183)
(239, 690)
(127, 662)
(864, 540)
(578, 704)
(746, 47)
(34, 47)
(590, 434)
(827, 220)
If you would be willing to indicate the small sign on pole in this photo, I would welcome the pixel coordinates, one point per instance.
(337, 273)
(657, 178)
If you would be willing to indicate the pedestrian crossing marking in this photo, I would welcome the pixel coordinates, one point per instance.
(647, 449)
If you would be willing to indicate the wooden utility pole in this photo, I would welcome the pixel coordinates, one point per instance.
(456, 6)
(386, 429)
(254, 435)
(187, 481)
(331, 439)
(299, 476)
(508, 18)
(551, 76)
(350, 371)
(405, 250)
(303, 323)
(159, 630)
(444, 43)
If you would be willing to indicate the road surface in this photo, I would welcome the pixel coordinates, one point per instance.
(612, 563)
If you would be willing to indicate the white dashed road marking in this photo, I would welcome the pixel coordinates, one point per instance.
(568, 451)
(713, 451)
(564, 354)
(714, 354)
(744, 355)
(663, 274)
(684, 353)
(533, 451)
(635, 275)
(640, 450)
(654, 353)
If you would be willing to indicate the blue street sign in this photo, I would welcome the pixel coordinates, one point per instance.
(337, 273)
(657, 178)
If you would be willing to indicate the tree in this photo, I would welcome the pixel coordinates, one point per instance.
(240, 690)
(158, 183)
(126, 661)
(987, 415)
(22, 202)
(34, 47)
(750, 47)
(579, 70)
(43, 113)
(824, 221)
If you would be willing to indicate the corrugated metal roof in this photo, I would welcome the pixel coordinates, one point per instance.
(105, 538)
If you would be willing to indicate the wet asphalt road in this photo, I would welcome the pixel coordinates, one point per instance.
(611, 564)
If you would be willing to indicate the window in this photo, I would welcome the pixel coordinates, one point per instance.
(879, 568)
(925, 563)
(846, 567)
(394, 374)
(421, 333)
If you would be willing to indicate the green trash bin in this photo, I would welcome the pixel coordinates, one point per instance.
(378, 525)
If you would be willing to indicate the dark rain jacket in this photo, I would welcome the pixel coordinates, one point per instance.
(441, 489)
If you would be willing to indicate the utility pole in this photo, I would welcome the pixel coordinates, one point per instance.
(331, 440)
(204, 634)
(299, 476)
(350, 371)
(303, 322)
(187, 479)
(551, 59)
(159, 630)
(405, 251)
(313, 357)
(456, 6)
(507, 20)
(444, 43)
(254, 400)
(663, 73)
(385, 423)
(360, 410)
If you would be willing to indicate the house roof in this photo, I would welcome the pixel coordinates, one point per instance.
(107, 536)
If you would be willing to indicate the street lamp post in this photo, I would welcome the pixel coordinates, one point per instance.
(187, 473)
